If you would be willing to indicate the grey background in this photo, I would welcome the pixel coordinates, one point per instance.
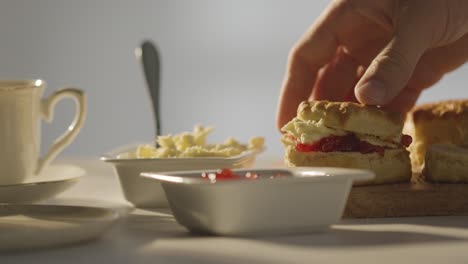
(223, 64)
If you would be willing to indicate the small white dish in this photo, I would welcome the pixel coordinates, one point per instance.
(146, 193)
(52, 181)
(302, 200)
(39, 226)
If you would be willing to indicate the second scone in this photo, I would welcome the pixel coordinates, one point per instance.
(439, 122)
(350, 135)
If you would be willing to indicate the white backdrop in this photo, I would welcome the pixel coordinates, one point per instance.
(223, 64)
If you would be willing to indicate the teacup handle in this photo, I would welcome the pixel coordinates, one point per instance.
(47, 111)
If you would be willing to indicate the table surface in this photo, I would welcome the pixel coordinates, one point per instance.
(153, 236)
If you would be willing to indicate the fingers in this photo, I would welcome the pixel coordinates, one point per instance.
(337, 79)
(430, 69)
(351, 97)
(314, 51)
(390, 71)
(436, 62)
(404, 101)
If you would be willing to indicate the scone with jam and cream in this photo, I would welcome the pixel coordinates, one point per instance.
(349, 135)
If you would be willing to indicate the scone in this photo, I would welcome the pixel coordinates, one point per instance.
(441, 122)
(349, 135)
(446, 163)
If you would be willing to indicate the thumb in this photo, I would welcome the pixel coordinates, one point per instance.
(391, 69)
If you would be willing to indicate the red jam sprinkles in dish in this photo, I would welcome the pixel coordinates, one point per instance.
(348, 143)
(227, 174)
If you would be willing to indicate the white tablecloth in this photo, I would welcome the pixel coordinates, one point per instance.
(145, 236)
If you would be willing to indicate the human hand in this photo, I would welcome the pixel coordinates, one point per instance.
(376, 52)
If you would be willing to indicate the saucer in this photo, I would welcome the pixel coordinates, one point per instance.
(52, 181)
(34, 226)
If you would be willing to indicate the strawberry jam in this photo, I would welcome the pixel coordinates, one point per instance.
(347, 143)
(227, 174)
(406, 140)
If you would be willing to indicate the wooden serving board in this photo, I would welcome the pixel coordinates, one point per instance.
(418, 198)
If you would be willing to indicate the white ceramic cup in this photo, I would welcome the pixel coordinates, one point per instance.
(21, 110)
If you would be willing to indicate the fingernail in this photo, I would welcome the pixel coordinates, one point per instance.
(372, 92)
